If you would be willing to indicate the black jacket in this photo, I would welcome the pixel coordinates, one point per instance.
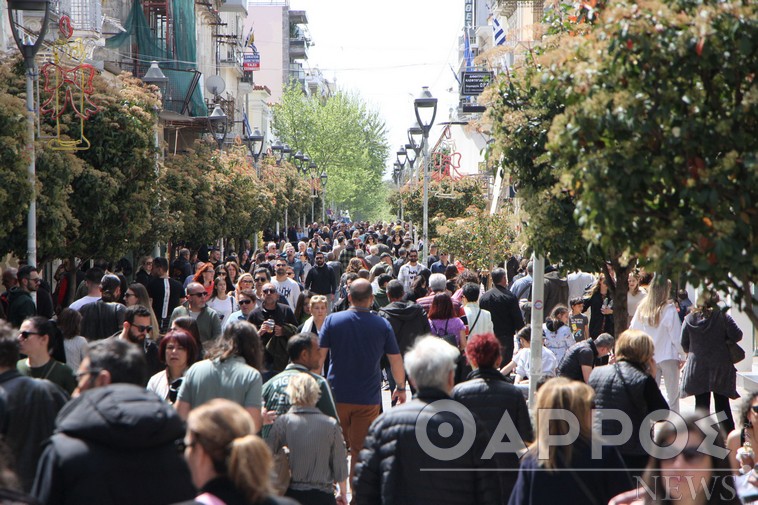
(20, 306)
(321, 280)
(114, 445)
(624, 386)
(28, 418)
(489, 397)
(391, 463)
(102, 319)
(408, 321)
(506, 314)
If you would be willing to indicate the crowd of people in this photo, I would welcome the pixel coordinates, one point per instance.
(339, 365)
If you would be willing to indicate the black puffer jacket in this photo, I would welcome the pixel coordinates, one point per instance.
(408, 322)
(625, 387)
(489, 397)
(114, 445)
(391, 463)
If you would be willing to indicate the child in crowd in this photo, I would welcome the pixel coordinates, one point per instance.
(577, 320)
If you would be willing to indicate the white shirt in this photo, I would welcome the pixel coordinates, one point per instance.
(524, 362)
(483, 324)
(75, 349)
(288, 289)
(558, 341)
(407, 273)
(578, 282)
(667, 336)
(81, 302)
(223, 307)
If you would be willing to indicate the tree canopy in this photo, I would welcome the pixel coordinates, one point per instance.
(345, 139)
(637, 134)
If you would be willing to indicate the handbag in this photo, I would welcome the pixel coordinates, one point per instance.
(282, 471)
(736, 353)
(447, 337)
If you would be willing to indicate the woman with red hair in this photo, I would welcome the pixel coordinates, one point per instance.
(205, 276)
(487, 394)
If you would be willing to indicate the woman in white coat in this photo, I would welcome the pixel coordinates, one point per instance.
(656, 315)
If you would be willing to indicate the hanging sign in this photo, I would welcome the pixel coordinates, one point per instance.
(251, 61)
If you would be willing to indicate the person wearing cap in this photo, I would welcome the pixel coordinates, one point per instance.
(103, 318)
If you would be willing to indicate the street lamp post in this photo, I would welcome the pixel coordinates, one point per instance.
(416, 140)
(312, 171)
(29, 49)
(255, 145)
(425, 107)
(155, 75)
(218, 125)
(323, 178)
(410, 156)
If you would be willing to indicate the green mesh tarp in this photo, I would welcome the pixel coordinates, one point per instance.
(177, 67)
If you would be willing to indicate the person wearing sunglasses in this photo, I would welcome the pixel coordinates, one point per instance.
(20, 302)
(36, 340)
(275, 322)
(208, 321)
(135, 330)
(689, 473)
(246, 300)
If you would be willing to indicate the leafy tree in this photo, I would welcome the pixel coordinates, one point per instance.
(657, 143)
(478, 239)
(448, 198)
(345, 139)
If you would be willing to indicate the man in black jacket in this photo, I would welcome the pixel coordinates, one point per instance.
(506, 315)
(408, 321)
(320, 279)
(427, 472)
(116, 442)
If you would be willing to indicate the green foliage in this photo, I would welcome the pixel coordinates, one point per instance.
(638, 138)
(448, 198)
(344, 138)
(207, 195)
(15, 189)
(659, 136)
(477, 239)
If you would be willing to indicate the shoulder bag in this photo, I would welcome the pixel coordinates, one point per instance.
(447, 337)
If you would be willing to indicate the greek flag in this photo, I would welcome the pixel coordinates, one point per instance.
(498, 32)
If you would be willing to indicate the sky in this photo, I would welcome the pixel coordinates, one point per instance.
(385, 51)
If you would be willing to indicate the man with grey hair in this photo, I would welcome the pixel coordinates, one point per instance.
(437, 285)
(382, 476)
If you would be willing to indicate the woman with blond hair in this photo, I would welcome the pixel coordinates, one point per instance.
(629, 385)
(657, 316)
(547, 470)
(318, 457)
(230, 465)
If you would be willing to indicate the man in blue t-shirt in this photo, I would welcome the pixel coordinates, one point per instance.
(357, 339)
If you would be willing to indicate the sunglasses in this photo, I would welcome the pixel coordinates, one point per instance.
(690, 454)
(260, 279)
(146, 329)
(269, 291)
(754, 408)
(245, 302)
(129, 295)
(26, 334)
(201, 295)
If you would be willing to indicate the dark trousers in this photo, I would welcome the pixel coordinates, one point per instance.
(703, 401)
(311, 497)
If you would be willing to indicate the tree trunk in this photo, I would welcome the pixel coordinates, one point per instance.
(620, 287)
